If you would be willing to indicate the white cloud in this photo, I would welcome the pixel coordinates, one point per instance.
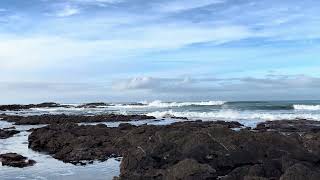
(37, 52)
(43, 51)
(134, 83)
(67, 10)
(182, 5)
(266, 84)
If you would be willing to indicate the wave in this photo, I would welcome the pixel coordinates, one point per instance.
(234, 115)
(180, 104)
(160, 104)
(306, 107)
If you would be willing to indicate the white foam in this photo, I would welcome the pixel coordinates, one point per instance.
(235, 115)
(306, 107)
(70, 104)
(160, 104)
(49, 109)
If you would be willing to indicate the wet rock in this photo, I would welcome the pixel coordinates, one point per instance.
(18, 107)
(4, 134)
(9, 128)
(185, 150)
(15, 160)
(62, 118)
(73, 143)
(174, 117)
(298, 125)
(93, 105)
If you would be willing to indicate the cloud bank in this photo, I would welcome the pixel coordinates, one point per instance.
(95, 42)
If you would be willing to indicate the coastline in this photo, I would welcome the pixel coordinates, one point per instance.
(176, 148)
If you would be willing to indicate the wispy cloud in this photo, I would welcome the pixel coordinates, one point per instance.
(41, 51)
(183, 5)
(67, 10)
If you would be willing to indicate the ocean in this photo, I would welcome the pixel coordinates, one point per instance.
(246, 112)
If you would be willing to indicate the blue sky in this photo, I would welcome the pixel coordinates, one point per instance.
(133, 50)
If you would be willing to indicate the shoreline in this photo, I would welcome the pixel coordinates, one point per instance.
(179, 148)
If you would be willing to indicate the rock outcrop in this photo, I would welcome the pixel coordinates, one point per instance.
(6, 133)
(18, 107)
(189, 150)
(93, 105)
(62, 118)
(15, 160)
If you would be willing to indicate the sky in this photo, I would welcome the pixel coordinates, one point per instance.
(170, 50)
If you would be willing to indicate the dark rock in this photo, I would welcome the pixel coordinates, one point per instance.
(300, 171)
(47, 105)
(15, 160)
(230, 124)
(174, 117)
(189, 169)
(4, 134)
(186, 150)
(18, 107)
(93, 105)
(62, 118)
(9, 128)
(299, 125)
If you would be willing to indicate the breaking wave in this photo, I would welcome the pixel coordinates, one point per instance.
(306, 107)
(235, 115)
(160, 104)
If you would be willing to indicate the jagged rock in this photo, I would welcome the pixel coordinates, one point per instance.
(4, 134)
(298, 125)
(18, 107)
(62, 118)
(15, 160)
(186, 150)
(93, 105)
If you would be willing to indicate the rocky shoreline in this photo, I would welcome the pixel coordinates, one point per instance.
(191, 150)
(18, 107)
(62, 118)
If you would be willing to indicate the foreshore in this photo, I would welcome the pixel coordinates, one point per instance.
(283, 149)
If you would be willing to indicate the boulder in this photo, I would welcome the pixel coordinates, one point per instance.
(15, 160)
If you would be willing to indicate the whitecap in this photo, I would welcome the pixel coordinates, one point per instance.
(161, 104)
(306, 107)
(235, 115)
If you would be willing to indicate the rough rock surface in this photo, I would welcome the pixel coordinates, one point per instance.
(298, 125)
(189, 150)
(5, 133)
(59, 119)
(15, 160)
